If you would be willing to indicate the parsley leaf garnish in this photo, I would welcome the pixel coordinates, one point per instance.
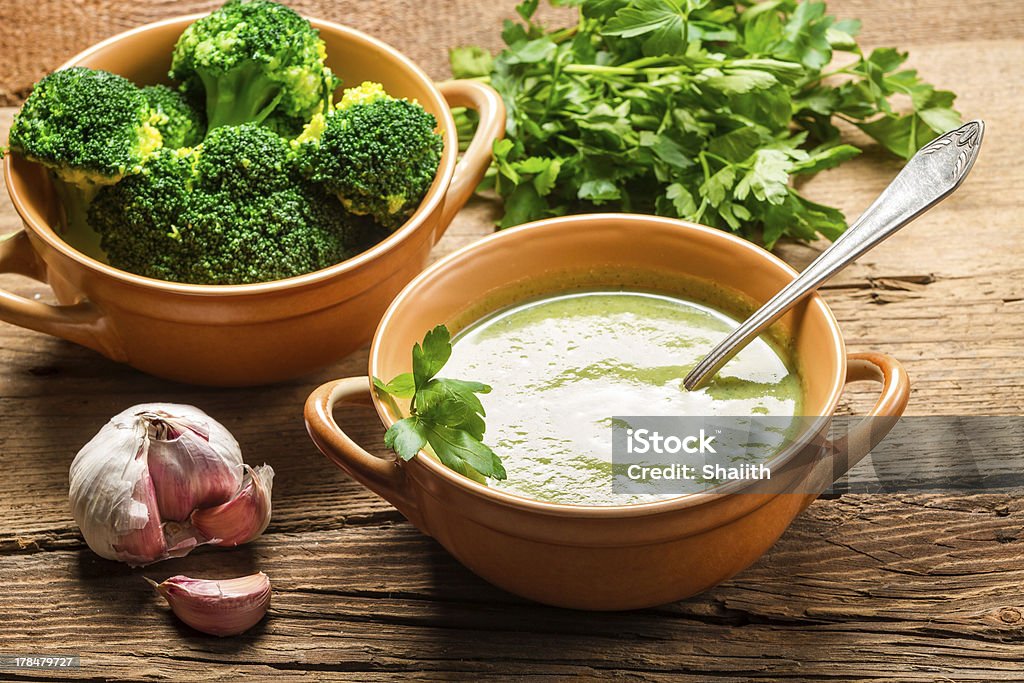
(705, 110)
(445, 415)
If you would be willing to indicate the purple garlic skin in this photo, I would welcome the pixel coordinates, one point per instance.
(242, 518)
(224, 607)
(190, 472)
(138, 545)
(137, 486)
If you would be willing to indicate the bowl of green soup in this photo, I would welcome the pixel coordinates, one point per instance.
(573, 321)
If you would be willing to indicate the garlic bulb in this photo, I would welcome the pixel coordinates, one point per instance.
(221, 608)
(137, 485)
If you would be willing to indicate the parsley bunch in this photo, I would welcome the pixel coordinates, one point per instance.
(697, 109)
(446, 415)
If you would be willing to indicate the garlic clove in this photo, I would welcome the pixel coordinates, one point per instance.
(245, 516)
(140, 538)
(187, 470)
(221, 608)
(152, 541)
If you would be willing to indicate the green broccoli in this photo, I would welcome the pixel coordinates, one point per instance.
(90, 129)
(233, 210)
(378, 154)
(253, 58)
(286, 126)
(280, 234)
(180, 124)
(142, 218)
(246, 159)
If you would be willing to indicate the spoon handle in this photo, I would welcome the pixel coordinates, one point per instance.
(930, 176)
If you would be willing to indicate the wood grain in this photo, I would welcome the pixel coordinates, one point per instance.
(898, 587)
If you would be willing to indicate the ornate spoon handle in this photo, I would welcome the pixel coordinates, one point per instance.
(930, 176)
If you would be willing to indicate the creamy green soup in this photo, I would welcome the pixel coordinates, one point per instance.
(562, 366)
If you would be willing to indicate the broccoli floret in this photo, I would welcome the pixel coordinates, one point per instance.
(287, 127)
(378, 154)
(277, 235)
(364, 93)
(232, 211)
(86, 125)
(247, 159)
(251, 59)
(90, 129)
(142, 218)
(180, 124)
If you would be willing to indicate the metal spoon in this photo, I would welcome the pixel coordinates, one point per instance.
(929, 177)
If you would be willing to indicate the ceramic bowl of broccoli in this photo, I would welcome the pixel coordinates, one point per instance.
(234, 198)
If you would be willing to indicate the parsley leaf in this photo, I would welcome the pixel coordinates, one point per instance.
(469, 62)
(430, 357)
(406, 437)
(706, 110)
(402, 386)
(446, 415)
(663, 21)
(463, 453)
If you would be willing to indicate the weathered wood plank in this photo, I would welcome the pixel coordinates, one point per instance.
(833, 598)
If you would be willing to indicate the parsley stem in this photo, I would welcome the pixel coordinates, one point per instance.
(835, 72)
(555, 73)
(704, 165)
(724, 162)
(646, 61)
(817, 80)
(598, 69)
(564, 34)
(697, 217)
(912, 140)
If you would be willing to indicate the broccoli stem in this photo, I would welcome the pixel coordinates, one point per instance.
(241, 95)
(76, 231)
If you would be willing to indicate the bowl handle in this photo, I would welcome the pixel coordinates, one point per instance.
(486, 102)
(851, 448)
(82, 322)
(385, 477)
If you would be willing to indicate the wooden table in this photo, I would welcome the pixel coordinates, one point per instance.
(894, 587)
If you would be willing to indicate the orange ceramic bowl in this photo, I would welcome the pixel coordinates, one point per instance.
(607, 557)
(240, 334)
